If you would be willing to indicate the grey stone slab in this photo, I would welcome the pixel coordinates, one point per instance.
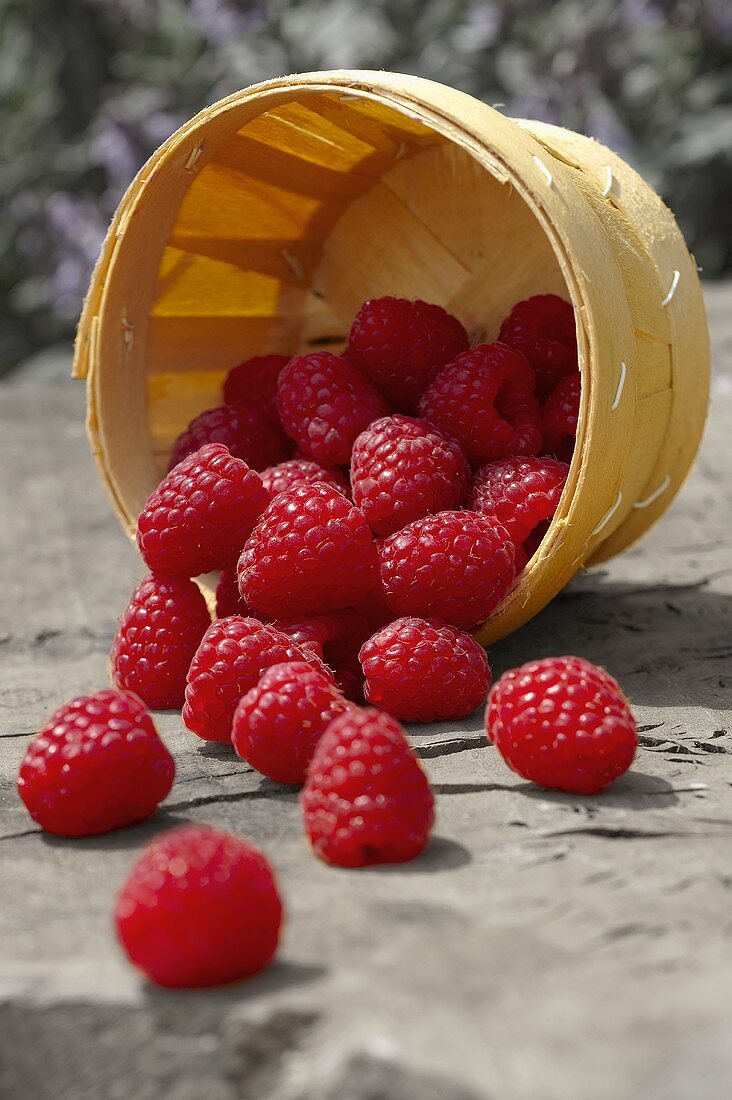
(543, 947)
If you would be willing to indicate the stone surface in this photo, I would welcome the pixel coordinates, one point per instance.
(544, 948)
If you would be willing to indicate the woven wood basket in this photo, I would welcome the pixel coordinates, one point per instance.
(262, 225)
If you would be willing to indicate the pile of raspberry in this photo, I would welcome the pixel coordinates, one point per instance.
(364, 513)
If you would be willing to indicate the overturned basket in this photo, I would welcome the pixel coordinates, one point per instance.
(263, 224)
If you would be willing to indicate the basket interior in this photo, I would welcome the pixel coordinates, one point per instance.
(315, 205)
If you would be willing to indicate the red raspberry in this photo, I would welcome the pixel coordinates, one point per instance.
(156, 639)
(403, 345)
(243, 430)
(232, 656)
(98, 764)
(324, 403)
(280, 721)
(254, 383)
(559, 415)
(562, 723)
(455, 566)
(228, 597)
(421, 670)
(522, 494)
(403, 469)
(485, 400)
(201, 514)
(543, 328)
(311, 552)
(338, 636)
(366, 799)
(278, 478)
(349, 679)
(200, 907)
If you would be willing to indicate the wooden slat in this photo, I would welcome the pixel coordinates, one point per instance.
(180, 344)
(655, 355)
(191, 285)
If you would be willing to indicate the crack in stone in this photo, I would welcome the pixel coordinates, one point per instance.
(469, 788)
(447, 748)
(231, 796)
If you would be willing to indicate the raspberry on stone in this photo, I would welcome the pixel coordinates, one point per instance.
(228, 596)
(311, 552)
(403, 469)
(403, 345)
(563, 723)
(297, 470)
(522, 494)
(201, 514)
(422, 670)
(254, 383)
(156, 639)
(543, 328)
(366, 799)
(324, 403)
(455, 566)
(559, 416)
(200, 907)
(485, 400)
(232, 656)
(98, 764)
(278, 723)
(243, 430)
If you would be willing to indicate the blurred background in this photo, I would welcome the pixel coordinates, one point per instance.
(89, 88)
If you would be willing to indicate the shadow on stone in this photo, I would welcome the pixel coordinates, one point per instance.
(133, 836)
(168, 1004)
(440, 854)
(633, 791)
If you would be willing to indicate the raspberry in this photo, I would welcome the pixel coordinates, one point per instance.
(232, 656)
(201, 514)
(349, 679)
(403, 345)
(309, 633)
(522, 494)
(311, 552)
(366, 799)
(485, 400)
(403, 469)
(324, 403)
(421, 670)
(98, 764)
(156, 639)
(254, 383)
(280, 721)
(559, 415)
(562, 723)
(243, 430)
(543, 328)
(200, 907)
(278, 478)
(455, 566)
(228, 597)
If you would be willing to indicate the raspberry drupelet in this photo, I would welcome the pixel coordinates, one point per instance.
(403, 469)
(254, 383)
(200, 907)
(485, 400)
(563, 723)
(422, 670)
(98, 764)
(366, 799)
(402, 346)
(324, 403)
(201, 514)
(156, 639)
(543, 328)
(244, 431)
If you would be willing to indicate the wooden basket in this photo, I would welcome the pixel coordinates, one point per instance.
(263, 224)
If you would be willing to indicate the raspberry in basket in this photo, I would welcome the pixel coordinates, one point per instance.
(254, 383)
(98, 764)
(559, 415)
(243, 430)
(402, 346)
(200, 907)
(296, 470)
(403, 469)
(201, 514)
(455, 566)
(156, 639)
(422, 670)
(543, 328)
(311, 552)
(563, 723)
(485, 400)
(324, 403)
(366, 799)
(522, 494)
(278, 723)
